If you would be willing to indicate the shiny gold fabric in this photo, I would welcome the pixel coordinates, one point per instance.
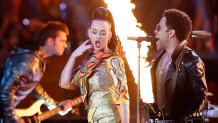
(105, 88)
(104, 114)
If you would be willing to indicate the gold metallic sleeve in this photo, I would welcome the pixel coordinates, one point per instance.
(120, 82)
(71, 84)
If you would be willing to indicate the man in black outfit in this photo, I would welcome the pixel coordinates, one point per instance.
(178, 73)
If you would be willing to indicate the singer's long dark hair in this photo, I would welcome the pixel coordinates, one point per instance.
(104, 14)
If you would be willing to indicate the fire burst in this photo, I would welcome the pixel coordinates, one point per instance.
(127, 25)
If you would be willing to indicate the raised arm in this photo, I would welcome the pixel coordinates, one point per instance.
(66, 75)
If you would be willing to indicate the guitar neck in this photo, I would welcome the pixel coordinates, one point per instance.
(47, 114)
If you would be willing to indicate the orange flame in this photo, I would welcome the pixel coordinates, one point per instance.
(127, 25)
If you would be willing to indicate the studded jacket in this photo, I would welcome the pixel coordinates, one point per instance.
(23, 70)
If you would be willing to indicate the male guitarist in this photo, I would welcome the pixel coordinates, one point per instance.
(178, 74)
(24, 69)
(33, 113)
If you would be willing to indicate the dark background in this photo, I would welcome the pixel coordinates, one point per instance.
(15, 30)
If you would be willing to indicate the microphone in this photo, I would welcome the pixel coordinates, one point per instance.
(147, 38)
(200, 34)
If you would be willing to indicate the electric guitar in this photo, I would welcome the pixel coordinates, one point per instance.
(33, 114)
(157, 116)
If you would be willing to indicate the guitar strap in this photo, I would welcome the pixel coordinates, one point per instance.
(171, 84)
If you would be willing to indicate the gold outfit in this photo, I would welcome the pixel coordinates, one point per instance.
(103, 86)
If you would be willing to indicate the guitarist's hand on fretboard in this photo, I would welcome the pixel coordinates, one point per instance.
(35, 108)
(66, 106)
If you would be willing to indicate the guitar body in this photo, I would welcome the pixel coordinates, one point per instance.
(157, 116)
(32, 119)
(33, 114)
(32, 110)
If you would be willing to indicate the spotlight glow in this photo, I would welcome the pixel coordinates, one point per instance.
(127, 25)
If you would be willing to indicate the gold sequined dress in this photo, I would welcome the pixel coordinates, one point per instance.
(103, 86)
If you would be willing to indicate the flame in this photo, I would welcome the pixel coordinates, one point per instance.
(127, 25)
